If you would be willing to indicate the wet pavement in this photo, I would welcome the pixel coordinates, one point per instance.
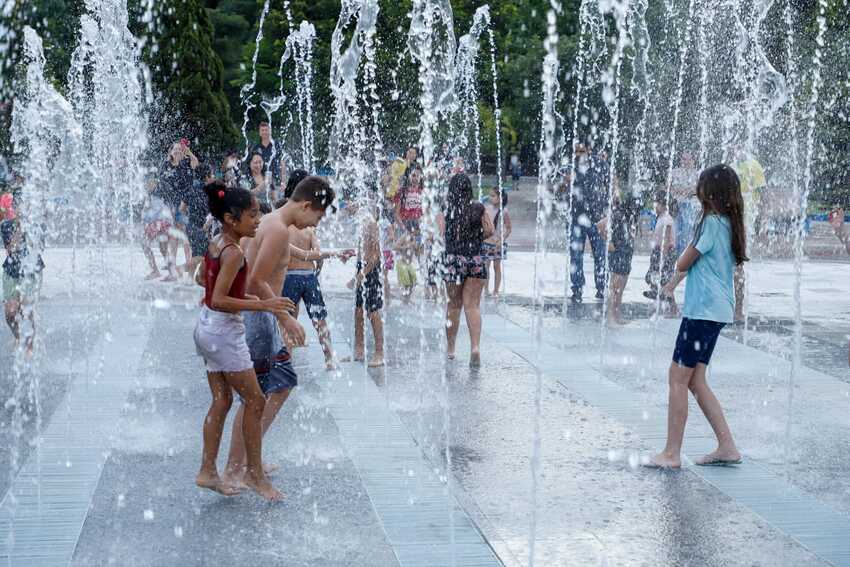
(426, 462)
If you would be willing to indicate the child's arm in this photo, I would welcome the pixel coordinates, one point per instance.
(231, 262)
(687, 259)
(668, 238)
(317, 255)
(314, 245)
(506, 224)
(201, 273)
(487, 224)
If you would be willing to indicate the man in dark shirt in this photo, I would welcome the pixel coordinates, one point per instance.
(268, 149)
(589, 201)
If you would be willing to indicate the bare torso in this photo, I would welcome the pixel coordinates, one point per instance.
(303, 239)
(272, 244)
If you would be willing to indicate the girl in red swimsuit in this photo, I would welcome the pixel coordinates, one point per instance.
(220, 338)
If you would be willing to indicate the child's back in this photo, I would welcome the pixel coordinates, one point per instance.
(709, 290)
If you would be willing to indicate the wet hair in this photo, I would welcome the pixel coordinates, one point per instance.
(262, 124)
(251, 158)
(294, 179)
(223, 199)
(461, 215)
(719, 192)
(316, 190)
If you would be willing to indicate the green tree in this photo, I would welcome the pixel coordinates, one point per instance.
(186, 76)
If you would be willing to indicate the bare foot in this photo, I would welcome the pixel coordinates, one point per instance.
(357, 357)
(169, 278)
(664, 461)
(234, 478)
(216, 484)
(720, 457)
(331, 364)
(475, 359)
(376, 360)
(264, 488)
(450, 355)
(155, 275)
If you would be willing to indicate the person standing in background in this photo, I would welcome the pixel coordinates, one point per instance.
(589, 192)
(683, 188)
(753, 181)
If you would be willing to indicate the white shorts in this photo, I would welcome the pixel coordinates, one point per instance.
(220, 341)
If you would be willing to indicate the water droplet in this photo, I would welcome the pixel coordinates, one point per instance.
(148, 515)
(178, 531)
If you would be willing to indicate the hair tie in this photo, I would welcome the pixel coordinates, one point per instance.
(221, 194)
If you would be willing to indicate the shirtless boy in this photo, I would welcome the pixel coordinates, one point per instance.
(268, 257)
(369, 292)
(302, 283)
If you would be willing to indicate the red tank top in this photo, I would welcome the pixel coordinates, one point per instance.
(211, 268)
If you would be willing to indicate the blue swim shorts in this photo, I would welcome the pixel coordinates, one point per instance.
(272, 361)
(304, 285)
(696, 342)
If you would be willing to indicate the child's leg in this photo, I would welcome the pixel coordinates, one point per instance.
(710, 406)
(222, 399)
(253, 406)
(455, 304)
(472, 288)
(359, 340)
(324, 333)
(172, 259)
(618, 284)
(497, 277)
(740, 286)
(12, 310)
(146, 248)
(378, 332)
(677, 416)
(234, 471)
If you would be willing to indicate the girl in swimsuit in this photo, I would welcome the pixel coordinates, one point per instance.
(220, 337)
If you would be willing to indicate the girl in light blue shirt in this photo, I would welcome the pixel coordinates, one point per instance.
(709, 264)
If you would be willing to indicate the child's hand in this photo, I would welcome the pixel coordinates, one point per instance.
(668, 289)
(346, 255)
(294, 331)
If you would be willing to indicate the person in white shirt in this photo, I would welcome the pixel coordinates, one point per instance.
(662, 263)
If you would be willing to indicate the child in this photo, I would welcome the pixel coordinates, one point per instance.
(709, 263)
(368, 294)
(662, 262)
(495, 248)
(406, 250)
(220, 338)
(21, 283)
(156, 219)
(624, 218)
(302, 283)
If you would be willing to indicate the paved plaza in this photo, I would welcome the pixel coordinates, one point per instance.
(428, 462)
